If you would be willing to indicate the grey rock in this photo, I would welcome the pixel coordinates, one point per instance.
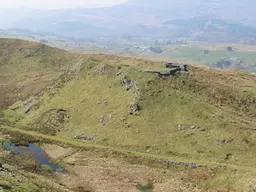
(134, 108)
(85, 138)
(192, 127)
(102, 69)
(168, 162)
(119, 73)
(254, 188)
(187, 127)
(103, 120)
(225, 141)
(126, 82)
(171, 70)
(171, 65)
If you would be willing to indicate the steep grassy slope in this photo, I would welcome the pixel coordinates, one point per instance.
(203, 115)
(187, 115)
(27, 67)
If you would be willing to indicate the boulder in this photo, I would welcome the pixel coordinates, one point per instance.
(225, 141)
(169, 162)
(134, 108)
(171, 65)
(102, 69)
(254, 188)
(85, 138)
(126, 82)
(171, 70)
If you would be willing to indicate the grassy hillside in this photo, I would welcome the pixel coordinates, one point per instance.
(157, 48)
(204, 115)
(27, 67)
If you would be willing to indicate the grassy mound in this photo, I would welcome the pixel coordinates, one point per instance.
(27, 67)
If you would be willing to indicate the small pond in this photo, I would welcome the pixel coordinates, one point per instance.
(5, 187)
(146, 188)
(39, 155)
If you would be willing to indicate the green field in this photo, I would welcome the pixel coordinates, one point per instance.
(195, 54)
(191, 52)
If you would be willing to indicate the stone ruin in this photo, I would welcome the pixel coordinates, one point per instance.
(170, 69)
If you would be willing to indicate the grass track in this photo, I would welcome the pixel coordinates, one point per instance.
(81, 144)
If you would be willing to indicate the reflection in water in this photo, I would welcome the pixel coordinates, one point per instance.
(4, 187)
(39, 155)
(146, 188)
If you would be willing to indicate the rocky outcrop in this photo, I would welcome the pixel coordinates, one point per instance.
(27, 105)
(52, 121)
(85, 138)
(127, 83)
(130, 85)
(225, 141)
(187, 127)
(170, 70)
(254, 188)
(176, 66)
(103, 120)
(134, 108)
(169, 162)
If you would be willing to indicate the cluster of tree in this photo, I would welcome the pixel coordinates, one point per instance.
(157, 50)
(228, 62)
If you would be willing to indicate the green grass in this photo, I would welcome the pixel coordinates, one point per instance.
(165, 105)
(219, 105)
(223, 175)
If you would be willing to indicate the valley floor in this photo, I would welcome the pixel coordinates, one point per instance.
(93, 168)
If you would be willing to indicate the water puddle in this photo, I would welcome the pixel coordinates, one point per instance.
(38, 154)
(4, 187)
(146, 188)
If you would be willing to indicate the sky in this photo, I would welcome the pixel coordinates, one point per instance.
(57, 4)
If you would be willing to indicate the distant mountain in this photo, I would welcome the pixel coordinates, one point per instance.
(230, 18)
(203, 27)
(239, 11)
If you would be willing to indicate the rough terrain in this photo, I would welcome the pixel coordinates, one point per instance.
(116, 126)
